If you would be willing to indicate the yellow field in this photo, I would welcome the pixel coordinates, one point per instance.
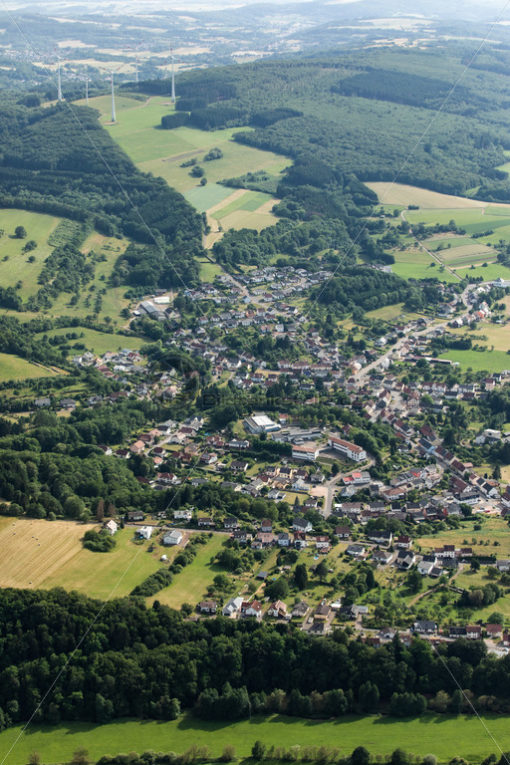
(45, 554)
(35, 550)
(401, 194)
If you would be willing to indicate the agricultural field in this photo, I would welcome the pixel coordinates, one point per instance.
(399, 194)
(35, 551)
(16, 368)
(466, 736)
(162, 153)
(97, 342)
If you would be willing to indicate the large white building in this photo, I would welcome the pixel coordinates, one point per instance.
(347, 449)
(260, 423)
(307, 452)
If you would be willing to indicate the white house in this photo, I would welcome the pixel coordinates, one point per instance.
(172, 538)
(145, 532)
(111, 527)
(233, 607)
(347, 449)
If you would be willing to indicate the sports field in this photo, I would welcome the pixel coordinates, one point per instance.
(16, 368)
(162, 152)
(443, 735)
(479, 361)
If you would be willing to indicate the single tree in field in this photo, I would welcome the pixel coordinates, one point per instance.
(301, 576)
(20, 232)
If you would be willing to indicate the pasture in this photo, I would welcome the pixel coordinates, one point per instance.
(493, 529)
(16, 368)
(445, 736)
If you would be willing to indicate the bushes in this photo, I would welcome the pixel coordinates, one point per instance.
(98, 541)
(154, 583)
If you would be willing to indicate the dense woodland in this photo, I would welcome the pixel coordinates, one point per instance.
(135, 661)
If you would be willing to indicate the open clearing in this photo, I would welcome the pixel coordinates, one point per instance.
(441, 735)
(418, 264)
(16, 368)
(162, 152)
(44, 554)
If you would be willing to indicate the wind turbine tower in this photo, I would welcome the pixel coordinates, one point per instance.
(114, 115)
(173, 76)
(59, 84)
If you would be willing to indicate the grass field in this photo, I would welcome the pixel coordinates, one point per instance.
(15, 368)
(493, 529)
(103, 575)
(190, 585)
(418, 265)
(209, 270)
(16, 267)
(205, 197)
(97, 342)
(442, 735)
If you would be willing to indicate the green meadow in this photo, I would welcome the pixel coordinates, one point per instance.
(15, 368)
(443, 735)
(95, 341)
(490, 361)
(418, 265)
(14, 264)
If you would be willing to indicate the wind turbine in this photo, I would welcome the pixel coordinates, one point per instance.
(113, 72)
(60, 97)
(173, 74)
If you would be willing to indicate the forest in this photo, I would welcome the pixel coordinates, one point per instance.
(365, 112)
(148, 662)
